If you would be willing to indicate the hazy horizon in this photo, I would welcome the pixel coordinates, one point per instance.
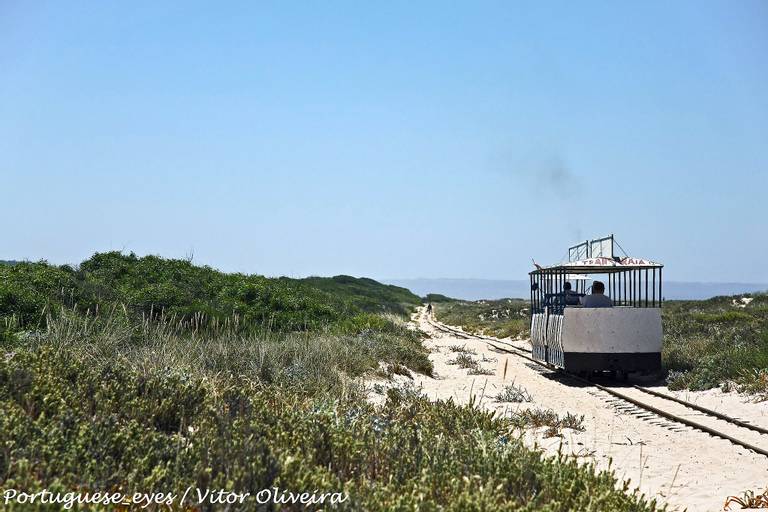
(477, 289)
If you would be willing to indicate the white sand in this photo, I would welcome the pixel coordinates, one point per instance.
(677, 465)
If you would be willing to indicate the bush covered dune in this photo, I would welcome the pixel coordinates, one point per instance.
(145, 374)
(152, 286)
(501, 318)
(722, 341)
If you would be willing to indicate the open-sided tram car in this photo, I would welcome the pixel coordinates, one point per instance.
(624, 338)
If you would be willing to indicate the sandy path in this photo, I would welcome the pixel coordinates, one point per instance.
(675, 464)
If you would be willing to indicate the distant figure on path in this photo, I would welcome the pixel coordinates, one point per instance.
(429, 308)
(597, 299)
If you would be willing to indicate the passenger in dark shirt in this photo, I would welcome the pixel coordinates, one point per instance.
(569, 297)
(597, 299)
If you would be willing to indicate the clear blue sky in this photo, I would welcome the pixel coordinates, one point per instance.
(389, 139)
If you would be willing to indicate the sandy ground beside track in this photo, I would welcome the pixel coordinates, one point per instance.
(677, 465)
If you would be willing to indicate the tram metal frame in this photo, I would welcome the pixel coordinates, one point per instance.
(637, 286)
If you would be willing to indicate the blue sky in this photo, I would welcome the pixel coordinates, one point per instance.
(389, 139)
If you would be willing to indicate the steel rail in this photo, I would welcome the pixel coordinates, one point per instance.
(705, 410)
(682, 420)
(660, 412)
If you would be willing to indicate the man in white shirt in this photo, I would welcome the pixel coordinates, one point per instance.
(597, 299)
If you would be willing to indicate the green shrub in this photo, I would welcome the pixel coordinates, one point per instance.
(713, 343)
(461, 349)
(500, 318)
(436, 297)
(27, 290)
(731, 316)
(154, 287)
(514, 394)
(755, 381)
(366, 294)
(537, 418)
(72, 425)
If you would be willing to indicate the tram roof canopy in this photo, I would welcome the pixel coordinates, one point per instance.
(599, 265)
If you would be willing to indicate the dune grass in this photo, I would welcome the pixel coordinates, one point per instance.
(318, 361)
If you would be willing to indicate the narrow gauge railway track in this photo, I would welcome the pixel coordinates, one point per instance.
(719, 425)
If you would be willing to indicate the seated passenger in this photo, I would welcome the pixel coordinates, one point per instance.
(597, 299)
(570, 298)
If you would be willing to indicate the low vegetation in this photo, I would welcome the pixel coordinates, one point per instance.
(461, 349)
(722, 341)
(513, 394)
(748, 499)
(465, 361)
(554, 423)
(103, 389)
(499, 318)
